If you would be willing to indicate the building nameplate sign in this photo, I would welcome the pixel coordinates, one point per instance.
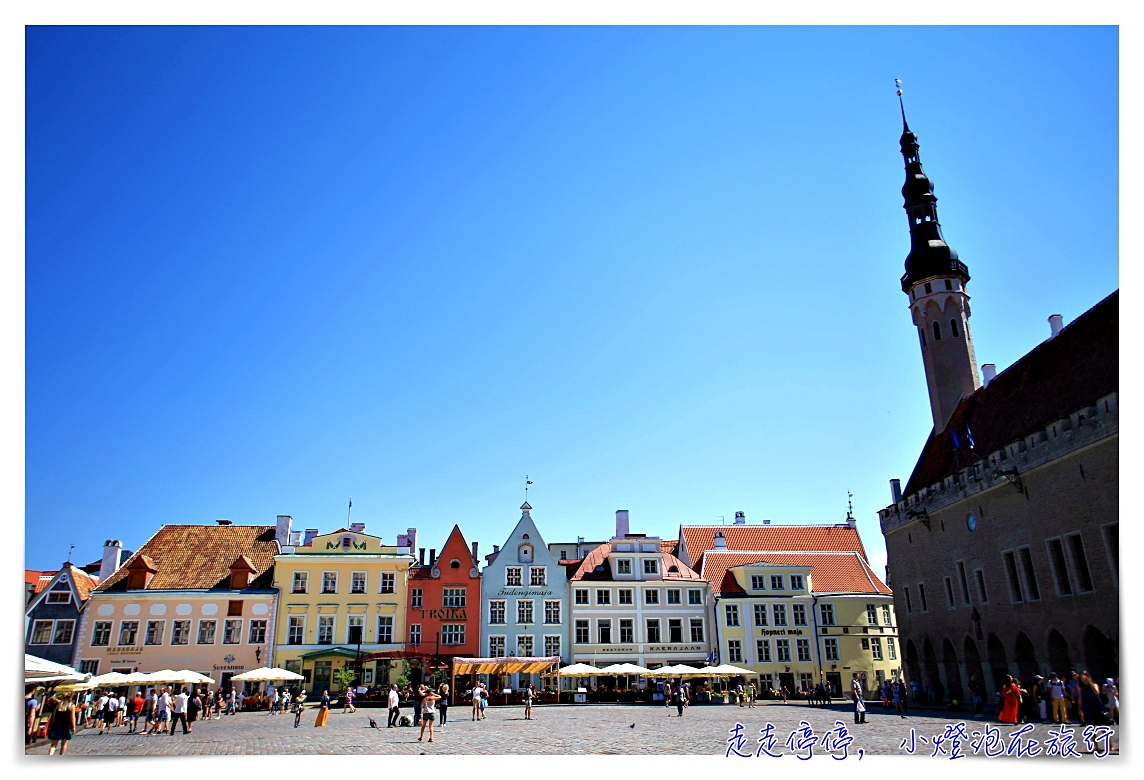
(443, 614)
(780, 632)
(523, 592)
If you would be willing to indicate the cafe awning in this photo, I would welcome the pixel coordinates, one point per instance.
(510, 665)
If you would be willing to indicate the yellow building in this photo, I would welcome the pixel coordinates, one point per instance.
(340, 595)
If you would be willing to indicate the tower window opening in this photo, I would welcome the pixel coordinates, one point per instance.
(917, 220)
(928, 218)
(949, 284)
(936, 331)
(929, 288)
(953, 327)
(922, 331)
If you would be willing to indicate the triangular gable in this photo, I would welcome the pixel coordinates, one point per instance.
(52, 585)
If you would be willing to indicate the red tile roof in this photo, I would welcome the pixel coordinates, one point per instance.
(198, 557)
(84, 582)
(599, 557)
(1055, 379)
(779, 538)
(838, 572)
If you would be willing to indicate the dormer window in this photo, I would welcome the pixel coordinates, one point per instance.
(777, 582)
(624, 566)
(796, 582)
(758, 582)
(650, 566)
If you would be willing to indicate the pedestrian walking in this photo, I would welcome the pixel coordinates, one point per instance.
(484, 702)
(1040, 701)
(1058, 708)
(529, 695)
(394, 701)
(476, 701)
(667, 688)
(299, 705)
(274, 698)
(323, 710)
(418, 697)
(61, 724)
(677, 700)
(111, 712)
(1011, 701)
(348, 704)
(194, 706)
(897, 691)
(1111, 693)
(859, 696)
(1091, 707)
(443, 702)
(284, 701)
(428, 712)
(30, 708)
(179, 708)
(751, 696)
(121, 710)
(138, 710)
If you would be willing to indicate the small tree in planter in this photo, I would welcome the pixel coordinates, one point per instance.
(345, 677)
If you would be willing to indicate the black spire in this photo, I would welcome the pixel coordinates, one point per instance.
(929, 254)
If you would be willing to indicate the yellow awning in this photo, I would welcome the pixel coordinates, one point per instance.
(511, 665)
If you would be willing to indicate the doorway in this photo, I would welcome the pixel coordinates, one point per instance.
(786, 680)
(834, 680)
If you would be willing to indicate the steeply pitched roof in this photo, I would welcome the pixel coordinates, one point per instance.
(812, 538)
(586, 570)
(198, 557)
(838, 572)
(1053, 380)
(84, 583)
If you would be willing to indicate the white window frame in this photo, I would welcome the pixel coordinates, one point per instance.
(494, 606)
(325, 579)
(497, 646)
(628, 624)
(779, 613)
(454, 598)
(603, 597)
(782, 651)
(228, 624)
(537, 576)
(122, 627)
(802, 649)
(109, 624)
(830, 649)
(760, 615)
(777, 582)
(758, 582)
(623, 566)
(162, 632)
(290, 624)
(388, 583)
(330, 621)
(513, 573)
(59, 624)
(651, 597)
(531, 641)
(386, 629)
(584, 626)
(49, 629)
(763, 650)
(876, 647)
(360, 618)
(650, 566)
(630, 597)
(300, 578)
(200, 634)
(601, 624)
(255, 624)
(549, 641)
(695, 597)
(697, 623)
(550, 606)
(826, 613)
(891, 648)
(678, 597)
(415, 634)
(355, 577)
(731, 616)
(580, 596)
(67, 597)
(416, 597)
(797, 582)
(521, 610)
(798, 614)
(734, 651)
(453, 634)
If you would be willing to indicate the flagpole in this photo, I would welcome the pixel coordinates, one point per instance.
(349, 512)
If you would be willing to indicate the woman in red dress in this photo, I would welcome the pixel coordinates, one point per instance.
(1012, 699)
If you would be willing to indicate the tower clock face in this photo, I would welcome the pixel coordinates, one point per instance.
(971, 523)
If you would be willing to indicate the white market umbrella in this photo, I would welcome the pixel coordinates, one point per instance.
(38, 669)
(109, 679)
(623, 669)
(579, 670)
(679, 670)
(724, 670)
(267, 674)
(161, 676)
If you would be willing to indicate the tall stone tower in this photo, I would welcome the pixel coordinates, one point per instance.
(935, 281)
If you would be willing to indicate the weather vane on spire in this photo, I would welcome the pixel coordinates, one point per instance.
(849, 504)
(901, 105)
(527, 482)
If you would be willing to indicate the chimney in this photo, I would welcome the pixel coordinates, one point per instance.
(357, 528)
(896, 490)
(621, 522)
(766, 521)
(282, 531)
(988, 371)
(432, 555)
(241, 573)
(411, 533)
(496, 548)
(720, 541)
(112, 557)
(295, 538)
(1056, 325)
(850, 521)
(421, 556)
(740, 518)
(223, 522)
(476, 558)
(311, 534)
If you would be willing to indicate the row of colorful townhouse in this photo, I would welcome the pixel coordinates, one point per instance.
(795, 604)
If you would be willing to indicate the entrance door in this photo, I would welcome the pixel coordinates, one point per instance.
(834, 679)
(224, 681)
(322, 672)
(786, 680)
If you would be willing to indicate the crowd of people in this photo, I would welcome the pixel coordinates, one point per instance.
(1073, 698)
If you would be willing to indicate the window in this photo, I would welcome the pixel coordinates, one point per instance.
(886, 614)
(893, 650)
(909, 607)
(694, 597)
(803, 648)
(830, 649)
(922, 596)
(731, 612)
(552, 612)
(329, 582)
(776, 582)
(128, 632)
(1014, 581)
(326, 629)
(89, 667)
(524, 611)
(59, 597)
(865, 643)
(181, 632)
(41, 632)
(696, 629)
(650, 566)
(1080, 563)
(496, 612)
(453, 597)
(524, 645)
(552, 645)
(415, 633)
(453, 634)
(826, 612)
(627, 632)
(603, 596)
(234, 608)
(758, 582)
(232, 632)
(625, 596)
(653, 630)
(582, 637)
(301, 580)
(798, 614)
(512, 575)
(537, 575)
(780, 614)
(154, 633)
(782, 650)
(388, 582)
(936, 331)
(1112, 547)
(206, 632)
(674, 596)
(604, 632)
(760, 614)
(734, 651)
(876, 648)
(674, 630)
(929, 287)
(355, 629)
(981, 586)
(415, 596)
(581, 596)
(953, 325)
(1030, 575)
(763, 650)
(1060, 570)
(624, 566)
(949, 593)
(296, 630)
(357, 582)
(796, 582)
(524, 553)
(496, 647)
(805, 680)
(385, 629)
(872, 614)
(257, 633)
(651, 596)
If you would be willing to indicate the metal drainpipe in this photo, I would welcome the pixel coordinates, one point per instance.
(817, 653)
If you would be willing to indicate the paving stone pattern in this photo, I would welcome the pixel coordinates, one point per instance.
(555, 729)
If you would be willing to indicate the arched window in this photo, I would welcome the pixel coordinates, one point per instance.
(936, 331)
(922, 332)
(953, 327)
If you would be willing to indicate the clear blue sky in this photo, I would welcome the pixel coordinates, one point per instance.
(655, 269)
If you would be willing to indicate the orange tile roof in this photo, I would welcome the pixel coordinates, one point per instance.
(668, 545)
(832, 572)
(780, 538)
(587, 568)
(198, 557)
(84, 582)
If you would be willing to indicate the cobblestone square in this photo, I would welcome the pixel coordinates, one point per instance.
(555, 729)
